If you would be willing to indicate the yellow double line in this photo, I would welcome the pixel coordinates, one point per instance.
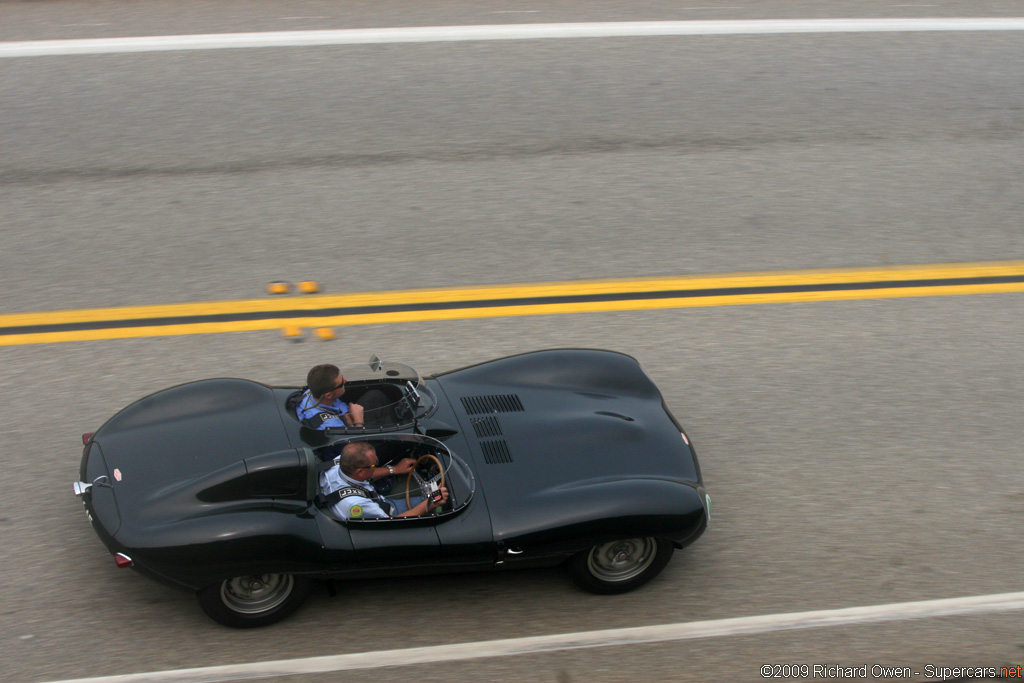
(550, 298)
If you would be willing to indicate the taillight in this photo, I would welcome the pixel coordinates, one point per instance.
(122, 560)
(86, 437)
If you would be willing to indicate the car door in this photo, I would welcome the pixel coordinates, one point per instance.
(395, 544)
(339, 554)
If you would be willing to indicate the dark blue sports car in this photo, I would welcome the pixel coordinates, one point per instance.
(560, 456)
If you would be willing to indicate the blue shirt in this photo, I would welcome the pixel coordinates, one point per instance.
(324, 415)
(352, 507)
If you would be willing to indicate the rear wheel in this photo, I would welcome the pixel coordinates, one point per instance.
(620, 566)
(256, 600)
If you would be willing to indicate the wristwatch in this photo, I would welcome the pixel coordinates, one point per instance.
(391, 471)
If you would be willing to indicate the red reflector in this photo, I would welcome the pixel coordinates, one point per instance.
(86, 437)
(122, 560)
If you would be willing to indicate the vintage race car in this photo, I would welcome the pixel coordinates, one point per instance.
(550, 457)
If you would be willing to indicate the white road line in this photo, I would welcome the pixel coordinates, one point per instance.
(435, 34)
(573, 641)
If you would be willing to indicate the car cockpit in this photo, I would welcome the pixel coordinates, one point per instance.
(435, 466)
(393, 397)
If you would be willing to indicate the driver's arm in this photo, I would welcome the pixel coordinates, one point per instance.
(424, 506)
(403, 466)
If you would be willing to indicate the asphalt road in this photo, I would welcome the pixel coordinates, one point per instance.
(858, 453)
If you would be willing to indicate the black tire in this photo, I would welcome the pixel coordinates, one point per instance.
(620, 566)
(251, 601)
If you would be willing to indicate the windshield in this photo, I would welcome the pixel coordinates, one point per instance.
(381, 371)
(391, 394)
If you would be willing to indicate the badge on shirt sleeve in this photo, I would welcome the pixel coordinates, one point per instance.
(356, 511)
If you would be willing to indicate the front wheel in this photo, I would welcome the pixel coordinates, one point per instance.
(620, 566)
(257, 600)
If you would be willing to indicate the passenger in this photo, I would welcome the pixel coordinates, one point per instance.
(321, 407)
(350, 494)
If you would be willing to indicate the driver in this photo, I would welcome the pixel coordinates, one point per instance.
(320, 406)
(352, 497)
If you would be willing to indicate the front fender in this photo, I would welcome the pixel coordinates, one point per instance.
(574, 517)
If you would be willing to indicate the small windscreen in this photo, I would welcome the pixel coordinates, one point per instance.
(379, 370)
(391, 394)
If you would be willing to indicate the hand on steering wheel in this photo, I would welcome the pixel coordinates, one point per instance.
(412, 471)
(404, 466)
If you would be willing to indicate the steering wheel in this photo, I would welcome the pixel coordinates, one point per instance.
(412, 472)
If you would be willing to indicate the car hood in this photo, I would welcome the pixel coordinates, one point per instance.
(562, 434)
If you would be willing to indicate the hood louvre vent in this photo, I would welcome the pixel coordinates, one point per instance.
(499, 403)
(486, 426)
(495, 452)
